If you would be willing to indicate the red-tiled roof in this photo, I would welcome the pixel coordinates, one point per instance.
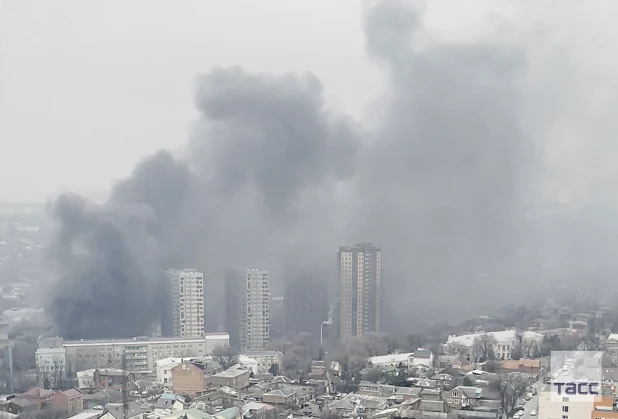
(72, 392)
(36, 392)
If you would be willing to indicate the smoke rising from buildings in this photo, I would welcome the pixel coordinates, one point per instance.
(442, 184)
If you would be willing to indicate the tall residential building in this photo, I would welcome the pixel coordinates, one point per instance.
(306, 301)
(247, 308)
(360, 283)
(187, 292)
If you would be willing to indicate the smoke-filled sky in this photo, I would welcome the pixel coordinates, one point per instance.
(470, 140)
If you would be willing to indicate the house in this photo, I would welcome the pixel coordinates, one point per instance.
(236, 377)
(528, 366)
(432, 406)
(115, 411)
(502, 342)
(407, 393)
(255, 410)
(456, 361)
(265, 360)
(229, 413)
(282, 397)
(103, 378)
(70, 401)
(189, 379)
(425, 383)
(444, 381)
(462, 396)
(192, 413)
(422, 357)
(318, 369)
(42, 398)
(16, 406)
(169, 401)
(87, 414)
(392, 360)
(164, 370)
(430, 394)
(578, 328)
(408, 408)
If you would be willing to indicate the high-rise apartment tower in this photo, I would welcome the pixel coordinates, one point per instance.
(360, 280)
(247, 308)
(187, 293)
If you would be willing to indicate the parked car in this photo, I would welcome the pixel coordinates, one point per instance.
(533, 413)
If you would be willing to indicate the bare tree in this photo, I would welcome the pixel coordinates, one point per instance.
(509, 387)
(224, 356)
(483, 347)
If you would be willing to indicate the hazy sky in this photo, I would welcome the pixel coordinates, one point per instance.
(89, 87)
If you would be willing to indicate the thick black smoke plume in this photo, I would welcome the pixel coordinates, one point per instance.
(261, 147)
(270, 174)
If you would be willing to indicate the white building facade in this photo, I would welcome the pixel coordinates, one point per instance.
(50, 358)
(264, 360)
(503, 342)
(164, 370)
(141, 353)
(187, 286)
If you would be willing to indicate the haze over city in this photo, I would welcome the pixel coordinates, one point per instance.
(243, 174)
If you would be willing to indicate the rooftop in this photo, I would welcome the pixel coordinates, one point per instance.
(232, 372)
(144, 339)
(252, 354)
(503, 335)
(390, 359)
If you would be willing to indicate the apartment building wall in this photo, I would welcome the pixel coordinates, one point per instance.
(248, 307)
(187, 293)
(360, 281)
(141, 353)
(306, 301)
(188, 379)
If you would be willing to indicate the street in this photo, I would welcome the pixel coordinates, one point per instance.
(530, 405)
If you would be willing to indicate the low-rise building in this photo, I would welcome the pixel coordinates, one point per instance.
(444, 381)
(423, 357)
(282, 397)
(116, 411)
(604, 409)
(189, 379)
(392, 360)
(236, 377)
(41, 397)
(164, 370)
(502, 342)
(103, 379)
(50, 358)
(140, 353)
(462, 397)
(265, 360)
(70, 401)
(169, 402)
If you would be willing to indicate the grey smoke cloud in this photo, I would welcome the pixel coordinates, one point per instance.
(271, 175)
(261, 145)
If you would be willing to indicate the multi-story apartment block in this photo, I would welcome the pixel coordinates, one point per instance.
(247, 311)
(306, 301)
(360, 281)
(50, 360)
(140, 354)
(264, 360)
(187, 293)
